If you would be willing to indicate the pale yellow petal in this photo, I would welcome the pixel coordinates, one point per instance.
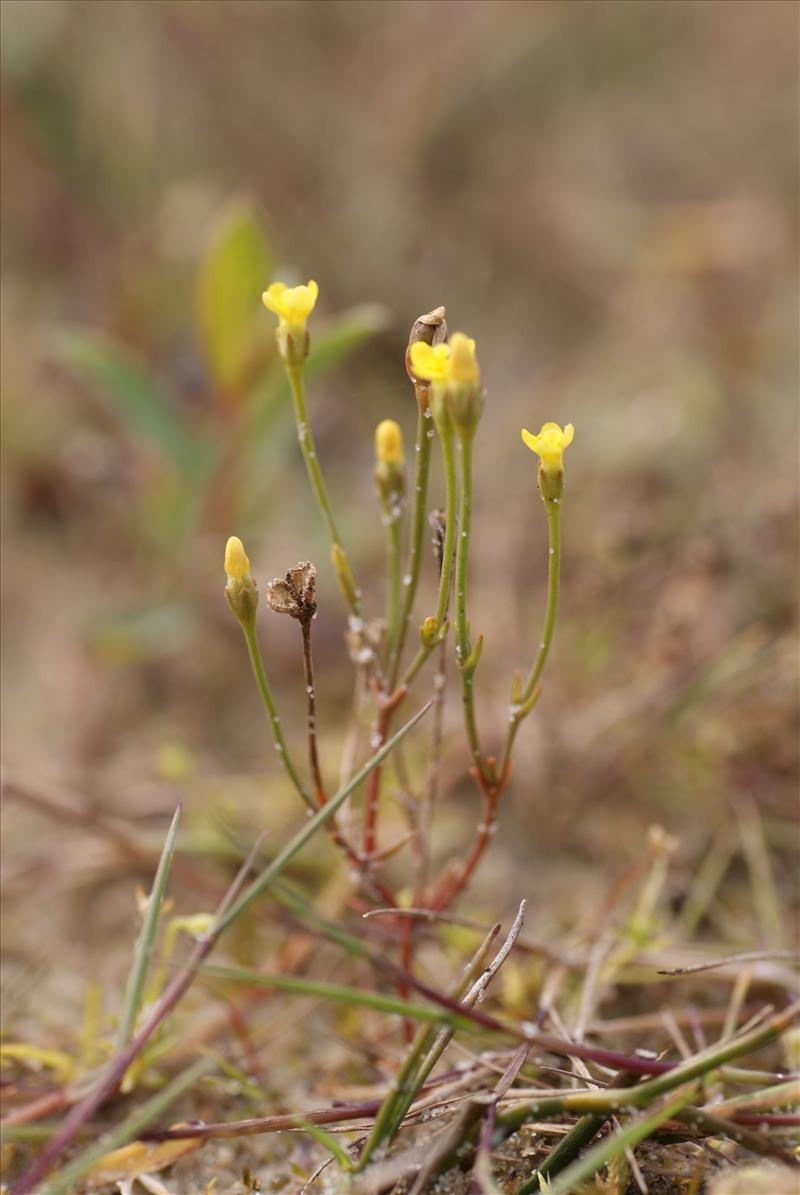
(272, 296)
(530, 440)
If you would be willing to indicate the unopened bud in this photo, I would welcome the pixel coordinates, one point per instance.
(465, 395)
(390, 478)
(389, 443)
(237, 564)
(241, 589)
(432, 631)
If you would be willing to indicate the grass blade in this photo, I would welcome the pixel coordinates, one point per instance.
(340, 993)
(144, 944)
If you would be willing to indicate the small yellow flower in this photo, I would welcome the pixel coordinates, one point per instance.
(237, 565)
(451, 362)
(463, 362)
(430, 362)
(549, 445)
(292, 304)
(389, 443)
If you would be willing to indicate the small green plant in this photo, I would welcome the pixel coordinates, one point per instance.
(450, 400)
(614, 1099)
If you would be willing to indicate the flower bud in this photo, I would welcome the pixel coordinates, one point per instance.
(390, 478)
(241, 589)
(465, 395)
(237, 564)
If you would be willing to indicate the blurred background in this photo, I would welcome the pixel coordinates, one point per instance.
(604, 194)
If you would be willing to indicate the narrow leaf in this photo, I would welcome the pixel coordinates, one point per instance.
(337, 993)
(144, 945)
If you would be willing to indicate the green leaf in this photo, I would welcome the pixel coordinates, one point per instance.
(234, 333)
(133, 393)
(337, 993)
(144, 946)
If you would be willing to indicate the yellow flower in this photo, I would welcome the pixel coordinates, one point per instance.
(430, 362)
(550, 445)
(463, 362)
(237, 566)
(292, 304)
(451, 362)
(389, 443)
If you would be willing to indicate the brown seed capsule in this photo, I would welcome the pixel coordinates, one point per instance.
(430, 328)
(296, 594)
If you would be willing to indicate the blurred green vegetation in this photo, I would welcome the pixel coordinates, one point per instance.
(603, 193)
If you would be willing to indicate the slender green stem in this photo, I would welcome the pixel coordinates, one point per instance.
(518, 712)
(449, 461)
(422, 453)
(272, 714)
(393, 531)
(309, 451)
(463, 646)
(553, 509)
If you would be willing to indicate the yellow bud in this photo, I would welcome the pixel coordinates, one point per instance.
(429, 631)
(237, 565)
(463, 362)
(389, 443)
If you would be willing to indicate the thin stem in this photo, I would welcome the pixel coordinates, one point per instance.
(272, 714)
(462, 627)
(422, 453)
(309, 451)
(449, 462)
(553, 509)
(311, 713)
(393, 530)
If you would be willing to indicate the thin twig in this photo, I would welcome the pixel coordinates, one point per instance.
(747, 956)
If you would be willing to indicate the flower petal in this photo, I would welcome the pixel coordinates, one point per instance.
(530, 440)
